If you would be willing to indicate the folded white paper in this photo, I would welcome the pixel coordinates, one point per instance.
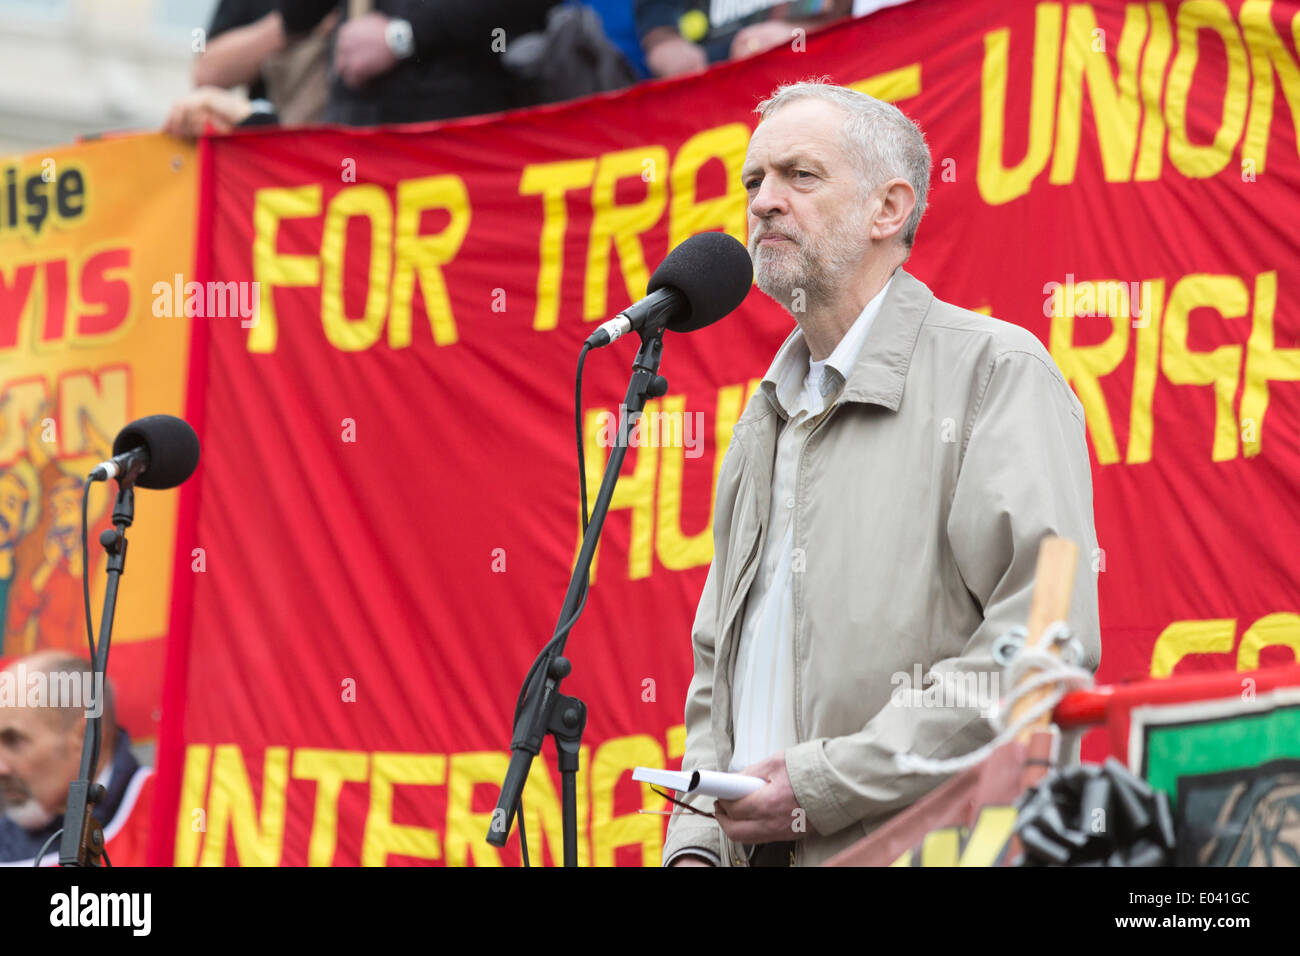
(708, 783)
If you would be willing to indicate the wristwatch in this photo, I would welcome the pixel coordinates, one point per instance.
(400, 38)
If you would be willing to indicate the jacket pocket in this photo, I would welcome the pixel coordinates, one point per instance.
(737, 588)
(751, 526)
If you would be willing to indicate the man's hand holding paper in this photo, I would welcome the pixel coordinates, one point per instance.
(768, 815)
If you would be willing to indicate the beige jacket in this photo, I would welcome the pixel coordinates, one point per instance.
(953, 448)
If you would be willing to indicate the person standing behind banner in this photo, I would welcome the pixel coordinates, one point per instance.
(406, 61)
(620, 26)
(683, 36)
(246, 46)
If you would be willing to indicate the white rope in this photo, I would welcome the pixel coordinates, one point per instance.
(1052, 670)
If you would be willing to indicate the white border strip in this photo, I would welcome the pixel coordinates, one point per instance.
(1154, 714)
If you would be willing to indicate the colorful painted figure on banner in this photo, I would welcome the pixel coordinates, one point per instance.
(41, 604)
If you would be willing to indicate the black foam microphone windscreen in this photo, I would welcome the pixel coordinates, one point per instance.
(172, 446)
(713, 270)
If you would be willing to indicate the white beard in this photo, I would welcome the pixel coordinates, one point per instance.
(29, 814)
(813, 266)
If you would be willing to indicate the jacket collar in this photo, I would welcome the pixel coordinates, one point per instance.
(880, 372)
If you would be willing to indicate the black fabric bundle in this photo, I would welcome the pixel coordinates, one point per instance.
(1090, 815)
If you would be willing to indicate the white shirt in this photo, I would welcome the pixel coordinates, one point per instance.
(763, 683)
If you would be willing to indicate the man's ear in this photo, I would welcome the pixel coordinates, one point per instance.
(897, 200)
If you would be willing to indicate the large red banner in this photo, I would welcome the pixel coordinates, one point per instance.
(378, 539)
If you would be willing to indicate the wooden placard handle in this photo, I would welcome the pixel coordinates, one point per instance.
(1053, 586)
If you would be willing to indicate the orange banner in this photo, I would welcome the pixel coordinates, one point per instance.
(93, 241)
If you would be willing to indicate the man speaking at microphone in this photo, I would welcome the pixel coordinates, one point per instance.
(879, 508)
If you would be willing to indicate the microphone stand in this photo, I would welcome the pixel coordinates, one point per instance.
(546, 710)
(82, 843)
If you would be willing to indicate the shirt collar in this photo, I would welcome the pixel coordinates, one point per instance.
(785, 378)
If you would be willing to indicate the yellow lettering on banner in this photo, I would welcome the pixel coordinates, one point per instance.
(614, 758)
(1151, 147)
(1141, 427)
(1115, 108)
(635, 492)
(544, 816)
(993, 828)
(382, 835)
(675, 738)
(1182, 638)
(259, 838)
(999, 184)
(1273, 630)
(552, 181)
(369, 200)
(678, 551)
(330, 769)
(1084, 365)
(892, 86)
(988, 838)
(940, 848)
(194, 784)
(1193, 161)
(1264, 363)
(622, 225)
(686, 214)
(1220, 368)
(1266, 48)
(465, 829)
(271, 268)
(425, 255)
